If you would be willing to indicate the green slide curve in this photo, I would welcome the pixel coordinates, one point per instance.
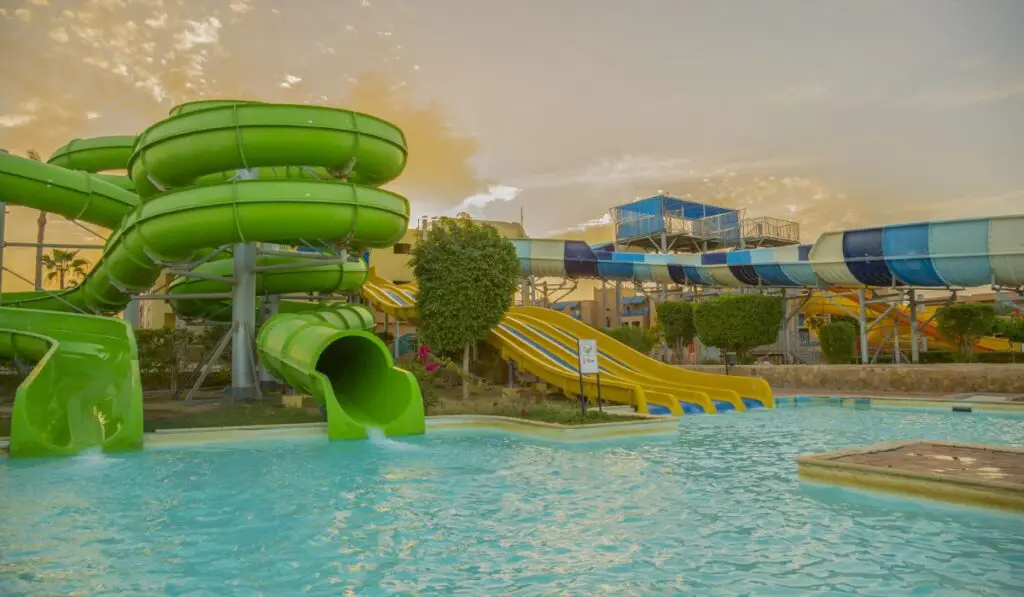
(334, 355)
(214, 173)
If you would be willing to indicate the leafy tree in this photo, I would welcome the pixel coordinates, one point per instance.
(64, 266)
(738, 322)
(963, 324)
(676, 319)
(640, 340)
(467, 278)
(1011, 327)
(163, 355)
(838, 339)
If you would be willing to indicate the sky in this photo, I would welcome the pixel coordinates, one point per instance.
(833, 114)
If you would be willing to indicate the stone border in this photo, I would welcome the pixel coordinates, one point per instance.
(899, 403)
(977, 492)
(486, 423)
(555, 431)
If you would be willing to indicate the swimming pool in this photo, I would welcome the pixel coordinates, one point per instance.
(716, 510)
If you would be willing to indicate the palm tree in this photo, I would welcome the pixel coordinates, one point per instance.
(64, 266)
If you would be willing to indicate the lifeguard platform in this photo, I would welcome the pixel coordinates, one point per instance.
(665, 223)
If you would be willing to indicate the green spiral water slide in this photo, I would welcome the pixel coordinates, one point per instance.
(215, 175)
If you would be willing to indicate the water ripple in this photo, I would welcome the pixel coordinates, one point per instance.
(716, 510)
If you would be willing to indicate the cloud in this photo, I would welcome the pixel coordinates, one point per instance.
(204, 32)
(477, 202)
(60, 35)
(958, 98)
(290, 81)
(241, 6)
(23, 14)
(26, 113)
(811, 92)
(604, 220)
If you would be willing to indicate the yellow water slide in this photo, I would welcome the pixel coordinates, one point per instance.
(898, 319)
(543, 342)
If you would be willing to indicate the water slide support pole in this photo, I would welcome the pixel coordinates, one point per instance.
(398, 334)
(862, 323)
(133, 314)
(243, 318)
(3, 214)
(787, 357)
(915, 340)
(617, 318)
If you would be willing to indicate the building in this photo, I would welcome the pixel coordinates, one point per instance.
(634, 310)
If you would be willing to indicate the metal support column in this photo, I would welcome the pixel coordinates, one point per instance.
(243, 317)
(133, 314)
(915, 338)
(40, 239)
(3, 214)
(398, 334)
(271, 306)
(862, 324)
(616, 310)
(787, 351)
(603, 320)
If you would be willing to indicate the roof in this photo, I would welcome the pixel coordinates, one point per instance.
(660, 204)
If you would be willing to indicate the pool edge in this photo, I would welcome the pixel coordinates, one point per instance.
(997, 495)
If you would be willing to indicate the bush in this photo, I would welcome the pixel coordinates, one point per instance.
(638, 339)
(963, 324)
(838, 340)
(676, 321)
(739, 322)
(467, 275)
(163, 356)
(1011, 327)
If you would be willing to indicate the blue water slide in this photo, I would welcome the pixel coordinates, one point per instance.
(937, 254)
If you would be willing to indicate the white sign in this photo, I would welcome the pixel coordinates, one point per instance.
(588, 356)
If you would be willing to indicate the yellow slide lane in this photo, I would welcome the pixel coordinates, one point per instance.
(722, 388)
(543, 342)
(848, 306)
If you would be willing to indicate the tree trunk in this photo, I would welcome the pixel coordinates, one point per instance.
(40, 236)
(61, 274)
(465, 372)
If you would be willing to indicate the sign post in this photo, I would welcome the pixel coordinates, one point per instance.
(586, 352)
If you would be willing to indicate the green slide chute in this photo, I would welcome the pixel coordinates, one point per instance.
(214, 174)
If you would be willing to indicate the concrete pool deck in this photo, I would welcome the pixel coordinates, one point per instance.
(974, 474)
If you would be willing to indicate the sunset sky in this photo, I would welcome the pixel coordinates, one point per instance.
(835, 114)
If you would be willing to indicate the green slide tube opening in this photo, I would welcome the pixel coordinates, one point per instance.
(330, 355)
(358, 367)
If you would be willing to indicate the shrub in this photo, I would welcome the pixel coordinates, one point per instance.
(467, 277)
(676, 320)
(963, 324)
(838, 340)
(638, 339)
(739, 322)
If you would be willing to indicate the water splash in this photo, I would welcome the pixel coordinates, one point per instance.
(378, 438)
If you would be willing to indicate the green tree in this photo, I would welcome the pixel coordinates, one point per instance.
(638, 339)
(838, 339)
(467, 278)
(1011, 327)
(738, 322)
(64, 267)
(963, 324)
(676, 319)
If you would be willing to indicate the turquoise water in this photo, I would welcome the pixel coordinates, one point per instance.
(716, 510)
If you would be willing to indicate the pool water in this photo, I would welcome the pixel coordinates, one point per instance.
(715, 510)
